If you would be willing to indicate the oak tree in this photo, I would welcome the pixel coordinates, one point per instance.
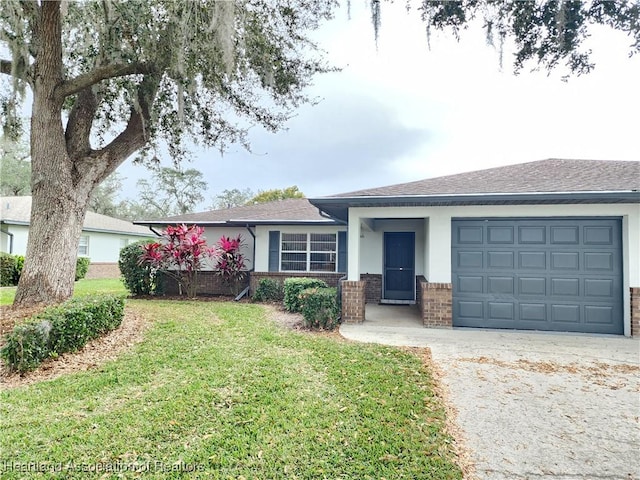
(111, 78)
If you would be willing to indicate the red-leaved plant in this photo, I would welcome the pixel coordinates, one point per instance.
(181, 253)
(230, 263)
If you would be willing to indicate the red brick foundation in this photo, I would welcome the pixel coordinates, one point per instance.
(353, 301)
(635, 311)
(373, 291)
(103, 270)
(435, 302)
(209, 283)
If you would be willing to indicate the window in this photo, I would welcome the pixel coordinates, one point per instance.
(308, 252)
(83, 246)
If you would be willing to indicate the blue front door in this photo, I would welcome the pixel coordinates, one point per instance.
(399, 266)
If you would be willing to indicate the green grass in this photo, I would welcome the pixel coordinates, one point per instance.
(219, 388)
(82, 287)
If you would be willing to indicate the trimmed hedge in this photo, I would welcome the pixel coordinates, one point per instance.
(293, 287)
(64, 328)
(268, 290)
(320, 308)
(11, 268)
(8, 267)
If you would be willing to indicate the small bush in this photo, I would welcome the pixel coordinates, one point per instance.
(268, 290)
(7, 269)
(61, 329)
(293, 287)
(139, 279)
(19, 267)
(82, 267)
(320, 308)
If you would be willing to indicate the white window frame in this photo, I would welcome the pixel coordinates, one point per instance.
(308, 252)
(84, 245)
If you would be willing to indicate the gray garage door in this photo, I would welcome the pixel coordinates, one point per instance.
(560, 274)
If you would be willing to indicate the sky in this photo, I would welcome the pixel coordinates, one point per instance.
(403, 111)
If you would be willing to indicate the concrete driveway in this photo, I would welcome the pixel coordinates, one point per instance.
(531, 405)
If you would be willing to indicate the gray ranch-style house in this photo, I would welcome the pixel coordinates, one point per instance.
(551, 245)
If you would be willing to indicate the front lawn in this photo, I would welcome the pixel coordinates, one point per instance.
(82, 287)
(219, 389)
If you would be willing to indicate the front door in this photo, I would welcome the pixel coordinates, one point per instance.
(399, 266)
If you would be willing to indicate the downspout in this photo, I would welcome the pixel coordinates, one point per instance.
(253, 261)
(154, 231)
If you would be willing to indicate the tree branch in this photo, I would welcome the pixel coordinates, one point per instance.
(82, 81)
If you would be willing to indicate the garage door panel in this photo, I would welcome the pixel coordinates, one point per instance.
(497, 259)
(468, 259)
(470, 284)
(532, 260)
(598, 235)
(598, 261)
(601, 315)
(565, 313)
(598, 287)
(501, 311)
(565, 235)
(532, 286)
(565, 287)
(533, 312)
(565, 260)
(500, 285)
(500, 235)
(470, 235)
(532, 235)
(559, 274)
(471, 310)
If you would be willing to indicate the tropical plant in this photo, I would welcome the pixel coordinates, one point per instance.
(180, 254)
(230, 262)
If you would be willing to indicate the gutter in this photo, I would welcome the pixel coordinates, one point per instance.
(253, 267)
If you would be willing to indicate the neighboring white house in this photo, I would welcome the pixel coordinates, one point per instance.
(101, 240)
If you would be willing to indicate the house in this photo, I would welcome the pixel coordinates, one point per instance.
(101, 239)
(547, 245)
(281, 239)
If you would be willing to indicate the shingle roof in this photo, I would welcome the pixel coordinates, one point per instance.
(18, 210)
(552, 175)
(294, 210)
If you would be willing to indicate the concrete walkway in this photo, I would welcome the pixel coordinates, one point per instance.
(531, 405)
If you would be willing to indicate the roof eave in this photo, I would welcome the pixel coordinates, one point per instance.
(237, 222)
(338, 206)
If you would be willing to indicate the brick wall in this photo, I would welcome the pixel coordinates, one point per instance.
(331, 278)
(208, 284)
(635, 311)
(353, 301)
(373, 292)
(103, 270)
(435, 304)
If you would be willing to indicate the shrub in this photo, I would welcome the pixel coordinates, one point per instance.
(230, 263)
(138, 278)
(61, 329)
(180, 254)
(7, 269)
(19, 267)
(82, 267)
(293, 287)
(268, 290)
(320, 308)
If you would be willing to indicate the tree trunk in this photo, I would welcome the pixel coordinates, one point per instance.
(59, 206)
